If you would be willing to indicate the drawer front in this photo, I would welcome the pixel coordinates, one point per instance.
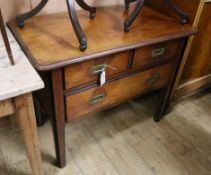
(95, 99)
(88, 72)
(156, 53)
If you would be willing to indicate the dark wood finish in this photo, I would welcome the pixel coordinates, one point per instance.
(195, 69)
(38, 110)
(156, 53)
(184, 16)
(43, 33)
(137, 10)
(21, 18)
(164, 99)
(81, 73)
(189, 6)
(45, 97)
(62, 63)
(193, 87)
(85, 6)
(73, 17)
(6, 41)
(200, 48)
(131, 18)
(76, 25)
(58, 120)
(116, 92)
(127, 3)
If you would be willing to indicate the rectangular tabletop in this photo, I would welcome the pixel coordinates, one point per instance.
(49, 41)
(18, 79)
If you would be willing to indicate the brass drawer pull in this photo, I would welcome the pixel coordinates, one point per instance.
(158, 52)
(152, 79)
(97, 98)
(98, 68)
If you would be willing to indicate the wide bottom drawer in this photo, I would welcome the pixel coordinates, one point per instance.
(95, 99)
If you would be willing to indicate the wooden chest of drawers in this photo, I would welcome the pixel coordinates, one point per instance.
(115, 92)
(135, 63)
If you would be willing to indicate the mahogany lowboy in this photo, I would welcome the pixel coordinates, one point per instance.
(141, 61)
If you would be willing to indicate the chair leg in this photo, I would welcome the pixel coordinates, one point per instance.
(127, 3)
(6, 41)
(85, 6)
(128, 22)
(21, 18)
(76, 26)
(183, 15)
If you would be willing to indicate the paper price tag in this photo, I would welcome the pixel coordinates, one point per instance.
(102, 77)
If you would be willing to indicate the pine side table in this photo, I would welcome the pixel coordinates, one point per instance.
(17, 83)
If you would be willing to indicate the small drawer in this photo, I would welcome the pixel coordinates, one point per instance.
(155, 53)
(88, 72)
(115, 92)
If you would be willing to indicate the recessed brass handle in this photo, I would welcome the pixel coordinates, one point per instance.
(158, 52)
(101, 67)
(98, 68)
(152, 79)
(97, 98)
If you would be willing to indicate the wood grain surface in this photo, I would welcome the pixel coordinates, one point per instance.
(81, 73)
(26, 119)
(116, 92)
(195, 69)
(6, 107)
(147, 55)
(49, 49)
(188, 6)
(200, 53)
(12, 8)
(126, 140)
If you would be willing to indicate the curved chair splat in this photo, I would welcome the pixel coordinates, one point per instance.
(21, 18)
